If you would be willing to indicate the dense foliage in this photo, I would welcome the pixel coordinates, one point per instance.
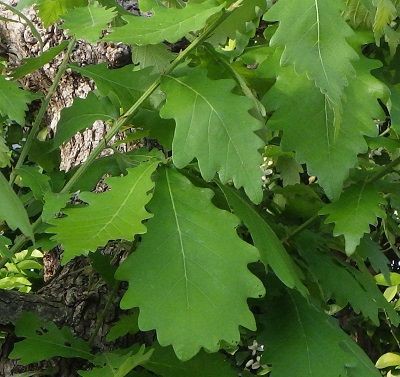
(262, 226)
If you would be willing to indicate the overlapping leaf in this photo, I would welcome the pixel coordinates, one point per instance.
(357, 208)
(124, 85)
(44, 340)
(329, 146)
(117, 364)
(214, 126)
(12, 210)
(166, 24)
(82, 114)
(13, 100)
(115, 214)
(164, 363)
(302, 337)
(268, 244)
(197, 266)
(314, 34)
(158, 57)
(88, 22)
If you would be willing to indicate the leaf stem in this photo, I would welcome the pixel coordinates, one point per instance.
(385, 170)
(36, 124)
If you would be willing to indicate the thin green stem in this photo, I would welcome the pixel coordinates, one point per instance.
(385, 170)
(300, 228)
(38, 121)
(27, 21)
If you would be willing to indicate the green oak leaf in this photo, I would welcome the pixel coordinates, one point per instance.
(88, 22)
(44, 340)
(13, 100)
(114, 214)
(299, 335)
(357, 208)
(197, 266)
(123, 85)
(237, 21)
(328, 145)
(126, 324)
(386, 12)
(164, 363)
(50, 11)
(53, 204)
(166, 24)
(271, 250)
(214, 125)
(12, 210)
(117, 364)
(31, 177)
(5, 153)
(81, 115)
(314, 34)
(30, 65)
(327, 270)
(158, 57)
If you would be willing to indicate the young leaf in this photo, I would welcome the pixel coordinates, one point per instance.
(302, 337)
(197, 266)
(127, 324)
(44, 340)
(386, 12)
(82, 114)
(12, 209)
(31, 177)
(5, 153)
(314, 34)
(32, 64)
(123, 84)
(356, 209)
(166, 24)
(265, 240)
(51, 10)
(309, 127)
(214, 126)
(164, 363)
(117, 364)
(88, 22)
(13, 100)
(114, 214)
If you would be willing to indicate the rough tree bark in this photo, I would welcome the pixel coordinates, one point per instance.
(75, 294)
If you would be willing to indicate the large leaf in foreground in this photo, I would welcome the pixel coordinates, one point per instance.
(189, 275)
(300, 336)
(112, 215)
(356, 209)
(327, 145)
(82, 114)
(314, 34)
(214, 126)
(166, 24)
(265, 240)
(44, 340)
(12, 210)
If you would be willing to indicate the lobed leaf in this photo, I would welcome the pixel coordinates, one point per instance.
(88, 22)
(356, 209)
(214, 125)
(314, 36)
(197, 266)
(114, 214)
(166, 24)
(325, 143)
(44, 340)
